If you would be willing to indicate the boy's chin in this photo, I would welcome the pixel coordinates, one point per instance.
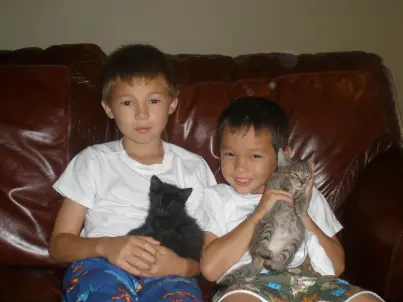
(143, 139)
(248, 189)
(245, 190)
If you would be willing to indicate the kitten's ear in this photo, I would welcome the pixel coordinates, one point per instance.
(155, 182)
(282, 158)
(185, 193)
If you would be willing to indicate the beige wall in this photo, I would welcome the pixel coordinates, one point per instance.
(212, 26)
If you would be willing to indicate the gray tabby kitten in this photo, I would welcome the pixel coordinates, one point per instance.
(280, 233)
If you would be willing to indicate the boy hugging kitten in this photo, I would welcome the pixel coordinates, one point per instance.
(251, 131)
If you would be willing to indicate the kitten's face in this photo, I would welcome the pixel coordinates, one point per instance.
(299, 171)
(166, 199)
(169, 204)
(300, 176)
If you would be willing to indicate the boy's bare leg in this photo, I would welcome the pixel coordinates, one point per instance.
(365, 298)
(240, 298)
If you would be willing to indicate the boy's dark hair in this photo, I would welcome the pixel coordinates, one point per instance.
(136, 61)
(259, 113)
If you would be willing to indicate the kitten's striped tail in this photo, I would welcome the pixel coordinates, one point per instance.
(247, 270)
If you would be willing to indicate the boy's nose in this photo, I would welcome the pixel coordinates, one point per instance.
(241, 165)
(141, 113)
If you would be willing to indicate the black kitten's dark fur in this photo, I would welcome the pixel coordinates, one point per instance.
(169, 223)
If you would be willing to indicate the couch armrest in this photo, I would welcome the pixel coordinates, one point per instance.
(373, 228)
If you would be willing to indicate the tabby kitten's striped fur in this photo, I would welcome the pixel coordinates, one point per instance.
(280, 233)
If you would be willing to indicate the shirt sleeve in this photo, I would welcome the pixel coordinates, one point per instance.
(77, 181)
(214, 218)
(204, 179)
(205, 175)
(322, 214)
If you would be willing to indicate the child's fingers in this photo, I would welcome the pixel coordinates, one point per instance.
(309, 187)
(285, 197)
(279, 192)
(144, 255)
(162, 250)
(132, 268)
(143, 274)
(151, 240)
(145, 243)
(138, 263)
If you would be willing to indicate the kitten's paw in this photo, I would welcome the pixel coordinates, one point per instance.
(274, 266)
(301, 207)
(264, 252)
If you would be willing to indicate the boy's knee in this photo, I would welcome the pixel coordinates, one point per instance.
(365, 298)
(96, 273)
(241, 297)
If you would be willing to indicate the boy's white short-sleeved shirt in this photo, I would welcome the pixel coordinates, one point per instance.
(115, 188)
(225, 209)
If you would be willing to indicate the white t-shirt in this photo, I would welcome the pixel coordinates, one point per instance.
(225, 209)
(115, 187)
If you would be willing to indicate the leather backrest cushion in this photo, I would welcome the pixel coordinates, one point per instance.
(340, 116)
(34, 126)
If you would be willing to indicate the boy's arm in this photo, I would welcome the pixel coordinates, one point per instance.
(134, 254)
(331, 245)
(65, 244)
(220, 253)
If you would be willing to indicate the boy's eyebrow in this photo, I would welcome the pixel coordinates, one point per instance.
(127, 94)
(157, 92)
(249, 149)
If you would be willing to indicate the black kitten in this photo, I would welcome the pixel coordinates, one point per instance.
(169, 223)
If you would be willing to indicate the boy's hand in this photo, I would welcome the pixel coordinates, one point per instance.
(269, 199)
(308, 189)
(167, 263)
(302, 208)
(134, 254)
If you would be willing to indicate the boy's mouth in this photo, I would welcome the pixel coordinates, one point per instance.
(142, 129)
(243, 182)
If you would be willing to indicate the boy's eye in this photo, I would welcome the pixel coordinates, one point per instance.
(154, 101)
(126, 103)
(256, 156)
(229, 154)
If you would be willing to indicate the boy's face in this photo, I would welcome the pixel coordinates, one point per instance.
(247, 159)
(141, 108)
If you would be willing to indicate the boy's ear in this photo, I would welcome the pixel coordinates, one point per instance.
(173, 105)
(107, 109)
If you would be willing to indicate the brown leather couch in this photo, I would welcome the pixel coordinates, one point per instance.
(342, 106)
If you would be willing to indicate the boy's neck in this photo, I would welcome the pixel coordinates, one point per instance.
(147, 154)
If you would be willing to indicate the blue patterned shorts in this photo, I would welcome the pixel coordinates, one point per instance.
(301, 283)
(96, 280)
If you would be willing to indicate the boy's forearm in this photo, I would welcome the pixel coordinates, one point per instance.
(69, 248)
(191, 268)
(332, 247)
(225, 251)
